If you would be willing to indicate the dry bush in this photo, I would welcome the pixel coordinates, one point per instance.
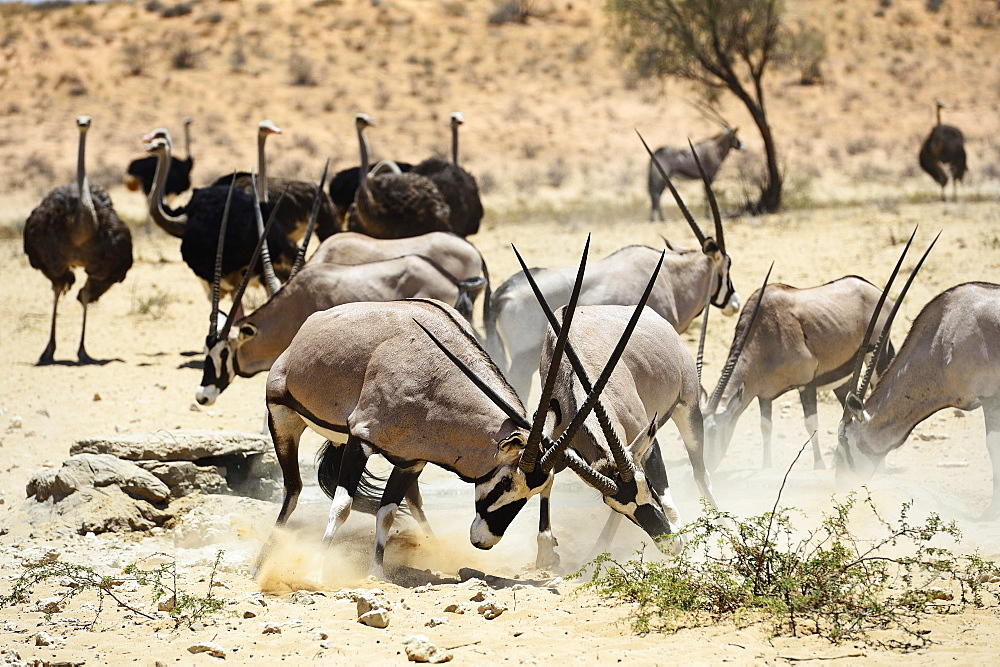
(300, 69)
(183, 55)
(456, 8)
(181, 9)
(859, 146)
(510, 11)
(238, 58)
(135, 57)
(74, 85)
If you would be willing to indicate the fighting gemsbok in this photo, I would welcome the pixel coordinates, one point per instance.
(368, 371)
(800, 339)
(689, 280)
(950, 358)
(656, 380)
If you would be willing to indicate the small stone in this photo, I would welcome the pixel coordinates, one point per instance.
(478, 597)
(436, 621)
(937, 593)
(319, 635)
(49, 606)
(44, 639)
(377, 618)
(97, 397)
(422, 589)
(272, 629)
(15, 423)
(302, 597)
(420, 649)
(249, 614)
(210, 648)
(491, 610)
(369, 602)
(167, 604)
(454, 609)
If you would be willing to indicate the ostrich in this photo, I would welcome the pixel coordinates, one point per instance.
(945, 145)
(197, 225)
(141, 171)
(76, 225)
(297, 204)
(344, 185)
(457, 186)
(395, 204)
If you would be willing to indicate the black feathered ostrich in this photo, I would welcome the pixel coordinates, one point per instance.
(457, 186)
(391, 204)
(944, 146)
(76, 225)
(197, 224)
(298, 195)
(141, 171)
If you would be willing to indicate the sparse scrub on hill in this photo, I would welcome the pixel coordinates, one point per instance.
(300, 69)
(135, 57)
(510, 11)
(183, 54)
(829, 580)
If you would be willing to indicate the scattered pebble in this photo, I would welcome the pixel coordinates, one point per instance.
(272, 629)
(420, 649)
(436, 621)
(377, 618)
(44, 639)
(210, 648)
(937, 593)
(454, 609)
(302, 597)
(492, 609)
(15, 423)
(478, 597)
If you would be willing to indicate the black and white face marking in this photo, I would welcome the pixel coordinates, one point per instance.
(725, 296)
(855, 461)
(498, 500)
(637, 502)
(219, 369)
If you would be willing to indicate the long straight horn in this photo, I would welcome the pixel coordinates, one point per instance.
(734, 354)
(300, 256)
(719, 238)
(622, 460)
(884, 335)
(552, 454)
(859, 361)
(700, 359)
(213, 325)
(246, 276)
(531, 451)
(680, 203)
(270, 280)
(595, 479)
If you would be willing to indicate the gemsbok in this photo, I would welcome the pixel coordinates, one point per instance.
(366, 371)
(689, 279)
(801, 339)
(949, 359)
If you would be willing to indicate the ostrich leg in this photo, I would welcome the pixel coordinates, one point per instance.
(81, 353)
(48, 356)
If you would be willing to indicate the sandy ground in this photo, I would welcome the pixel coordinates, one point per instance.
(149, 382)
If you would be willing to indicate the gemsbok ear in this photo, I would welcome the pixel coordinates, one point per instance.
(639, 447)
(514, 442)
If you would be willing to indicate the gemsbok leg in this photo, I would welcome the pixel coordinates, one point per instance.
(991, 412)
(807, 395)
(765, 429)
(400, 480)
(352, 467)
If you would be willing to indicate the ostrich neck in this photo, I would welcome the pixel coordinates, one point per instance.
(187, 140)
(173, 225)
(88, 215)
(454, 144)
(262, 167)
(363, 143)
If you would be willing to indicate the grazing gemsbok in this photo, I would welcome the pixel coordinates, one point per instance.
(801, 339)
(950, 358)
(516, 326)
(249, 345)
(452, 253)
(680, 162)
(367, 371)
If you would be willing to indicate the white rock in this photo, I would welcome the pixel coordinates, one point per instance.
(492, 609)
(272, 629)
(420, 649)
(44, 639)
(377, 618)
(436, 621)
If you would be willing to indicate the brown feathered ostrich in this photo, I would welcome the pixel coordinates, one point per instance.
(76, 225)
(298, 195)
(457, 186)
(391, 204)
(945, 145)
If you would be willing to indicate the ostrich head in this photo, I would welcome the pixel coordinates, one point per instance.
(267, 127)
(83, 123)
(457, 118)
(158, 133)
(363, 120)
